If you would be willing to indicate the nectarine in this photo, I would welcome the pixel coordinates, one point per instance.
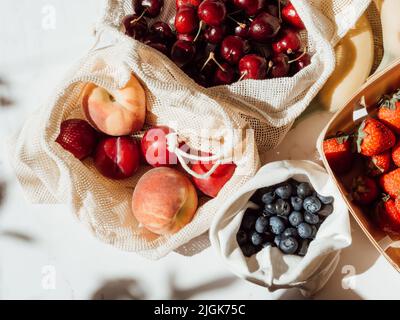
(116, 113)
(164, 201)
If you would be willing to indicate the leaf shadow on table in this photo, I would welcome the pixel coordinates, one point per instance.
(120, 289)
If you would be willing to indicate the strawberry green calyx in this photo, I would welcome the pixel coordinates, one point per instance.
(360, 136)
(390, 102)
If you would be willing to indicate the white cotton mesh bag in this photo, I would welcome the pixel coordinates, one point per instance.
(48, 174)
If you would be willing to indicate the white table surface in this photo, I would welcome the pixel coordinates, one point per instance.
(37, 240)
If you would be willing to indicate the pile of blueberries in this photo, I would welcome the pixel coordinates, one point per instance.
(288, 218)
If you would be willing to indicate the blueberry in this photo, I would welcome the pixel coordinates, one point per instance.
(305, 231)
(262, 224)
(241, 237)
(277, 225)
(289, 245)
(257, 239)
(325, 200)
(296, 218)
(314, 232)
(326, 211)
(312, 204)
(297, 203)
(267, 244)
(303, 248)
(311, 218)
(257, 196)
(282, 207)
(268, 197)
(248, 250)
(304, 190)
(278, 239)
(269, 209)
(284, 191)
(290, 232)
(249, 219)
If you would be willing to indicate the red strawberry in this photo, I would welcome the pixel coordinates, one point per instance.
(364, 190)
(388, 215)
(396, 155)
(339, 154)
(78, 137)
(379, 164)
(389, 111)
(374, 138)
(390, 183)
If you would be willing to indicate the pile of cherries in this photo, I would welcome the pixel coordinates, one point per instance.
(219, 42)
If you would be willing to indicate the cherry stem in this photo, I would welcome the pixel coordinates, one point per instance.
(140, 17)
(199, 31)
(299, 57)
(242, 76)
(240, 24)
(212, 57)
(279, 10)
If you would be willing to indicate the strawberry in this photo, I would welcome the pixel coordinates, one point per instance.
(78, 137)
(389, 111)
(387, 215)
(364, 190)
(379, 164)
(338, 152)
(396, 155)
(374, 138)
(390, 183)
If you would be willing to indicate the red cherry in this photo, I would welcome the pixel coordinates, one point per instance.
(181, 3)
(77, 137)
(186, 20)
(233, 48)
(279, 66)
(251, 7)
(212, 12)
(150, 8)
(300, 61)
(290, 15)
(155, 148)
(253, 66)
(241, 30)
(162, 31)
(264, 27)
(272, 9)
(186, 37)
(117, 157)
(183, 52)
(288, 41)
(214, 34)
(224, 76)
(158, 46)
(135, 27)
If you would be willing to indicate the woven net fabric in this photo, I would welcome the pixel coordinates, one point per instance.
(48, 174)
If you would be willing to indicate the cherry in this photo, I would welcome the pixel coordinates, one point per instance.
(182, 52)
(253, 66)
(212, 12)
(214, 34)
(242, 30)
(158, 46)
(264, 27)
(186, 37)
(233, 48)
(262, 50)
(135, 27)
(150, 8)
(300, 61)
(181, 3)
(224, 76)
(162, 31)
(272, 9)
(288, 41)
(186, 20)
(251, 7)
(279, 66)
(290, 15)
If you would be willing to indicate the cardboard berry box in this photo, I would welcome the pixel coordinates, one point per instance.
(347, 119)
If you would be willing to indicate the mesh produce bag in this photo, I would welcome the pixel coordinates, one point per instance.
(48, 174)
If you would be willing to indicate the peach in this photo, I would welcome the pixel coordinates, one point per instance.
(164, 201)
(117, 113)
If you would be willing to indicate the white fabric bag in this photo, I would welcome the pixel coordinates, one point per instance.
(270, 267)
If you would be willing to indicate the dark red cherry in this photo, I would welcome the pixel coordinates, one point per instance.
(253, 66)
(186, 37)
(272, 9)
(290, 16)
(163, 48)
(135, 27)
(251, 7)
(264, 27)
(150, 8)
(300, 61)
(186, 20)
(279, 66)
(225, 75)
(242, 30)
(212, 12)
(233, 48)
(182, 52)
(288, 41)
(214, 34)
(262, 50)
(181, 3)
(162, 31)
